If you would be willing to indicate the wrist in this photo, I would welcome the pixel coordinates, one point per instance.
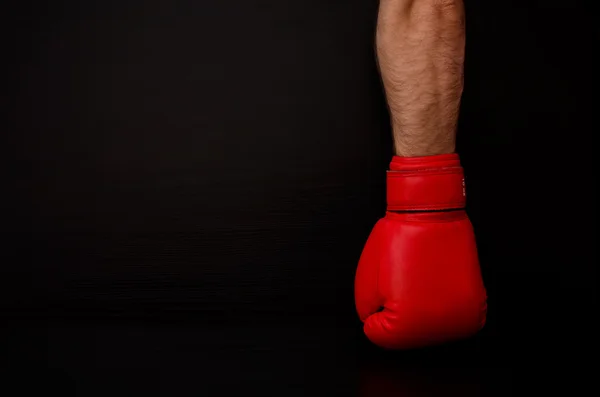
(424, 147)
(402, 151)
(418, 142)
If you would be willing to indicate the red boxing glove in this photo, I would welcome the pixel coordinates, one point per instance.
(418, 280)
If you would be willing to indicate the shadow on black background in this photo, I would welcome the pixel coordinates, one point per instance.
(273, 359)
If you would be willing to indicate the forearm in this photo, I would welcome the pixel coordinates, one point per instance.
(420, 50)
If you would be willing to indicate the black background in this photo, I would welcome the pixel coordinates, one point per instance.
(189, 185)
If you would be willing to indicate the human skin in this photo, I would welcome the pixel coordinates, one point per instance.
(420, 52)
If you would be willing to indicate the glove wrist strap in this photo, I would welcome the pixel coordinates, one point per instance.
(430, 183)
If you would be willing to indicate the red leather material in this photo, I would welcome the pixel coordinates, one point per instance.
(418, 280)
(425, 183)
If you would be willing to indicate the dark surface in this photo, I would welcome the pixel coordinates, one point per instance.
(284, 358)
(189, 186)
